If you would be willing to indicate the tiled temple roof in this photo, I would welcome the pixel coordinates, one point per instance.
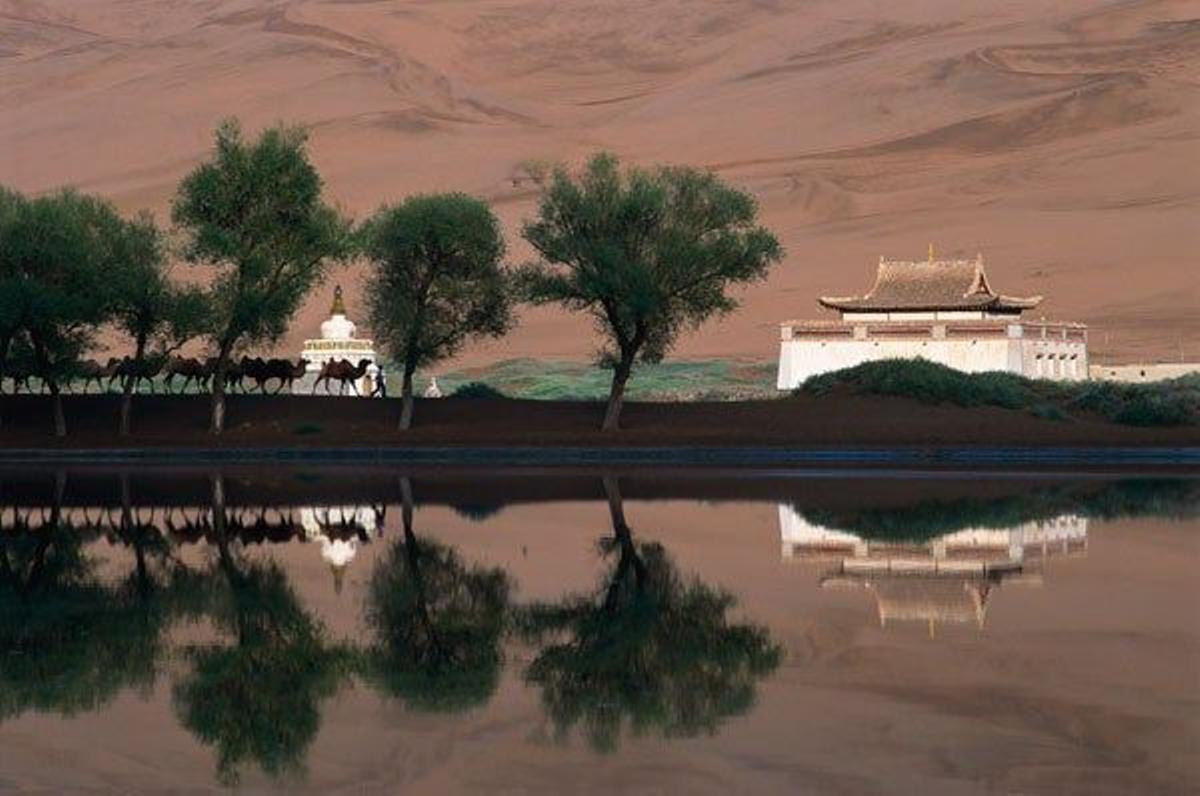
(929, 285)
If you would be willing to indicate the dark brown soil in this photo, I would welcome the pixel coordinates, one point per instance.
(304, 421)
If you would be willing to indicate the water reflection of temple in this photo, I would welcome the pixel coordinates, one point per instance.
(947, 579)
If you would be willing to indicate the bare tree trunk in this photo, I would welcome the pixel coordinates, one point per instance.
(217, 424)
(5, 347)
(60, 417)
(627, 551)
(616, 396)
(51, 383)
(406, 506)
(406, 398)
(127, 388)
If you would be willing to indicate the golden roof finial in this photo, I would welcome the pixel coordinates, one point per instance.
(338, 308)
(931, 252)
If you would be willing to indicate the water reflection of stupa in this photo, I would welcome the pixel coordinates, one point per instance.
(339, 530)
(946, 579)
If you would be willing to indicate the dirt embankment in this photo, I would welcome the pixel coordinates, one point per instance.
(303, 421)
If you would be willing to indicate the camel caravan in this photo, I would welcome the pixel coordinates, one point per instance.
(175, 373)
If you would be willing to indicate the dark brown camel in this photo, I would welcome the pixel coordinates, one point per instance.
(256, 371)
(342, 371)
(263, 372)
(285, 371)
(146, 370)
(89, 371)
(190, 369)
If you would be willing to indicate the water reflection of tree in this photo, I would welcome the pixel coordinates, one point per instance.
(651, 647)
(257, 698)
(437, 623)
(69, 642)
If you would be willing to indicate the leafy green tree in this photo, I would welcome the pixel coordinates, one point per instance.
(69, 641)
(11, 295)
(650, 648)
(146, 305)
(436, 280)
(256, 698)
(254, 214)
(437, 623)
(647, 253)
(55, 257)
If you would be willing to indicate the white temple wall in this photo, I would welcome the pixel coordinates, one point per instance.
(1037, 358)
(799, 537)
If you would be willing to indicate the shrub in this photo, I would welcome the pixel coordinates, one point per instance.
(1166, 403)
(927, 381)
(477, 389)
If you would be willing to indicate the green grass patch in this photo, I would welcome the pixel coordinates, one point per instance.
(675, 380)
(1173, 402)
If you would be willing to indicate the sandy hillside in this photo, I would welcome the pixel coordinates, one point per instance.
(1058, 138)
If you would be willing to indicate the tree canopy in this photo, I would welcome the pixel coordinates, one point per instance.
(437, 623)
(436, 280)
(157, 315)
(648, 253)
(258, 698)
(56, 258)
(651, 650)
(254, 213)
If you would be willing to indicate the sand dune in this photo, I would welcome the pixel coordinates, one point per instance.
(1060, 139)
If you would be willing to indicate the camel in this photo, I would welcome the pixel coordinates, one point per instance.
(19, 373)
(146, 370)
(262, 372)
(89, 371)
(344, 372)
(190, 369)
(285, 371)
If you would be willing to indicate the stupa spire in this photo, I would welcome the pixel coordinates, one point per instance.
(339, 307)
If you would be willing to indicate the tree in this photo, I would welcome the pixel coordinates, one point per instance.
(651, 648)
(436, 280)
(647, 253)
(146, 305)
(70, 640)
(437, 623)
(11, 297)
(254, 213)
(55, 259)
(258, 696)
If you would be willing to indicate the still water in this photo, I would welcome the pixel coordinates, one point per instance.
(368, 630)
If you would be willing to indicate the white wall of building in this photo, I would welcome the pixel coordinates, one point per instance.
(801, 358)
(1144, 372)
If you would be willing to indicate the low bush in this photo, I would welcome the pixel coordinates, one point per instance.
(927, 381)
(477, 389)
(1167, 403)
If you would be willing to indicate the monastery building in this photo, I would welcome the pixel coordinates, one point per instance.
(944, 311)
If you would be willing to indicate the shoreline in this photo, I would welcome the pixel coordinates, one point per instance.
(1186, 457)
(804, 431)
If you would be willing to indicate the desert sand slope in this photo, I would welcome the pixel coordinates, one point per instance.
(1058, 138)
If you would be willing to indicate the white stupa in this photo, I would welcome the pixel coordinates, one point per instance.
(338, 341)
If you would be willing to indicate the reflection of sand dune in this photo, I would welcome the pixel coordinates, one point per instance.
(863, 129)
(946, 579)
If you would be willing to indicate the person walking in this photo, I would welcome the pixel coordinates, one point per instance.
(380, 383)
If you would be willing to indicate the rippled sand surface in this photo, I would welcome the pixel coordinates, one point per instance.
(1060, 139)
